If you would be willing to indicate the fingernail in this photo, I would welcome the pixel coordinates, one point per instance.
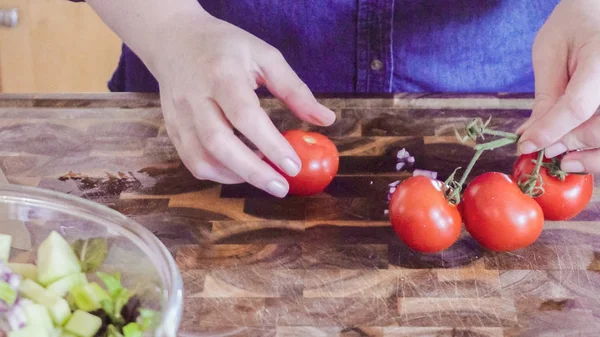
(290, 167)
(324, 117)
(572, 166)
(527, 147)
(329, 118)
(322, 121)
(277, 188)
(555, 149)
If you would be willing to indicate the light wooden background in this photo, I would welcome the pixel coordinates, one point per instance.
(58, 46)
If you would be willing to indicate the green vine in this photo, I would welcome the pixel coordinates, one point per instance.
(476, 129)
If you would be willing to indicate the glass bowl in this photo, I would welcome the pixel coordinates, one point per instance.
(29, 214)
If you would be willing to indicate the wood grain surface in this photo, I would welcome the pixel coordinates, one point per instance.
(328, 265)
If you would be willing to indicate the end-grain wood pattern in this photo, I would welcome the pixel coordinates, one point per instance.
(328, 265)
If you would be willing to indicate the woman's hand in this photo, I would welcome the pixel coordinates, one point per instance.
(208, 70)
(566, 60)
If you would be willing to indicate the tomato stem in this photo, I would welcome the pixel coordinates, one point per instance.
(504, 134)
(474, 129)
(478, 128)
(530, 185)
(452, 188)
(479, 149)
(539, 161)
(495, 144)
(554, 169)
(470, 167)
(454, 196)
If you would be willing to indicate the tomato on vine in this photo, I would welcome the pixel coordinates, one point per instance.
(499, 215)
(501, 212)
(422, 217)
(564, 195)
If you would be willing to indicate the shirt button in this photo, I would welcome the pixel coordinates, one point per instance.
(376, 65)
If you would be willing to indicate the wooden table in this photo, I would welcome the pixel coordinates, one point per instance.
(328, 265)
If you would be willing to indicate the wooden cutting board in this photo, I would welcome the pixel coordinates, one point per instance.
(328, 265)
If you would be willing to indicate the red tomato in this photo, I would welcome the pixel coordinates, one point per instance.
(422, 216)
(320, 162)
(562, 200)
(499, 215)
(461, 209)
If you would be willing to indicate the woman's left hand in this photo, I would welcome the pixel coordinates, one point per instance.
(566, 62)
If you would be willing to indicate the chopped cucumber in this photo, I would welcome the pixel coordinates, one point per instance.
(62, 287)
(57, 306)
(71, 301)
(5, 242)
(83, 324)
(26, 270)
(58, 285)
(89, 297)
(30, 331)
(7, 294)
(56, 259)
(66, 334)
(37, 315)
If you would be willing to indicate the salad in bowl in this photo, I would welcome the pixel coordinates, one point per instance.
(73, 268)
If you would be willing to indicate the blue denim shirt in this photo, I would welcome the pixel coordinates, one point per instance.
(383, 46)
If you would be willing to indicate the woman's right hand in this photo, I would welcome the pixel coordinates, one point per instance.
(208, 70)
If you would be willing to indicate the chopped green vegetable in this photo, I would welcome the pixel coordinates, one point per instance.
(89, 297)
(30, 331)
(71, 301)
(83, 324)
(55, 259)
(132, 330)
(112, 331)
(63, 302)
(119, 295)
(62, 286)
(26, 270)
(91, 253)
(147, 318)
(58, 307)
(5, 242)
(109, 308)
(67, 334)
(38, 315)
(120, 299)
(7, 294)
(112, 282)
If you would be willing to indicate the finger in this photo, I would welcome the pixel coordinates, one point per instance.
(218, 139)
(581, 161)
(242, 107)
(182, 134)
(551, 76)
(285, 84)
(201, 164)
(584, 137)
(541, 104)
(577, 105)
